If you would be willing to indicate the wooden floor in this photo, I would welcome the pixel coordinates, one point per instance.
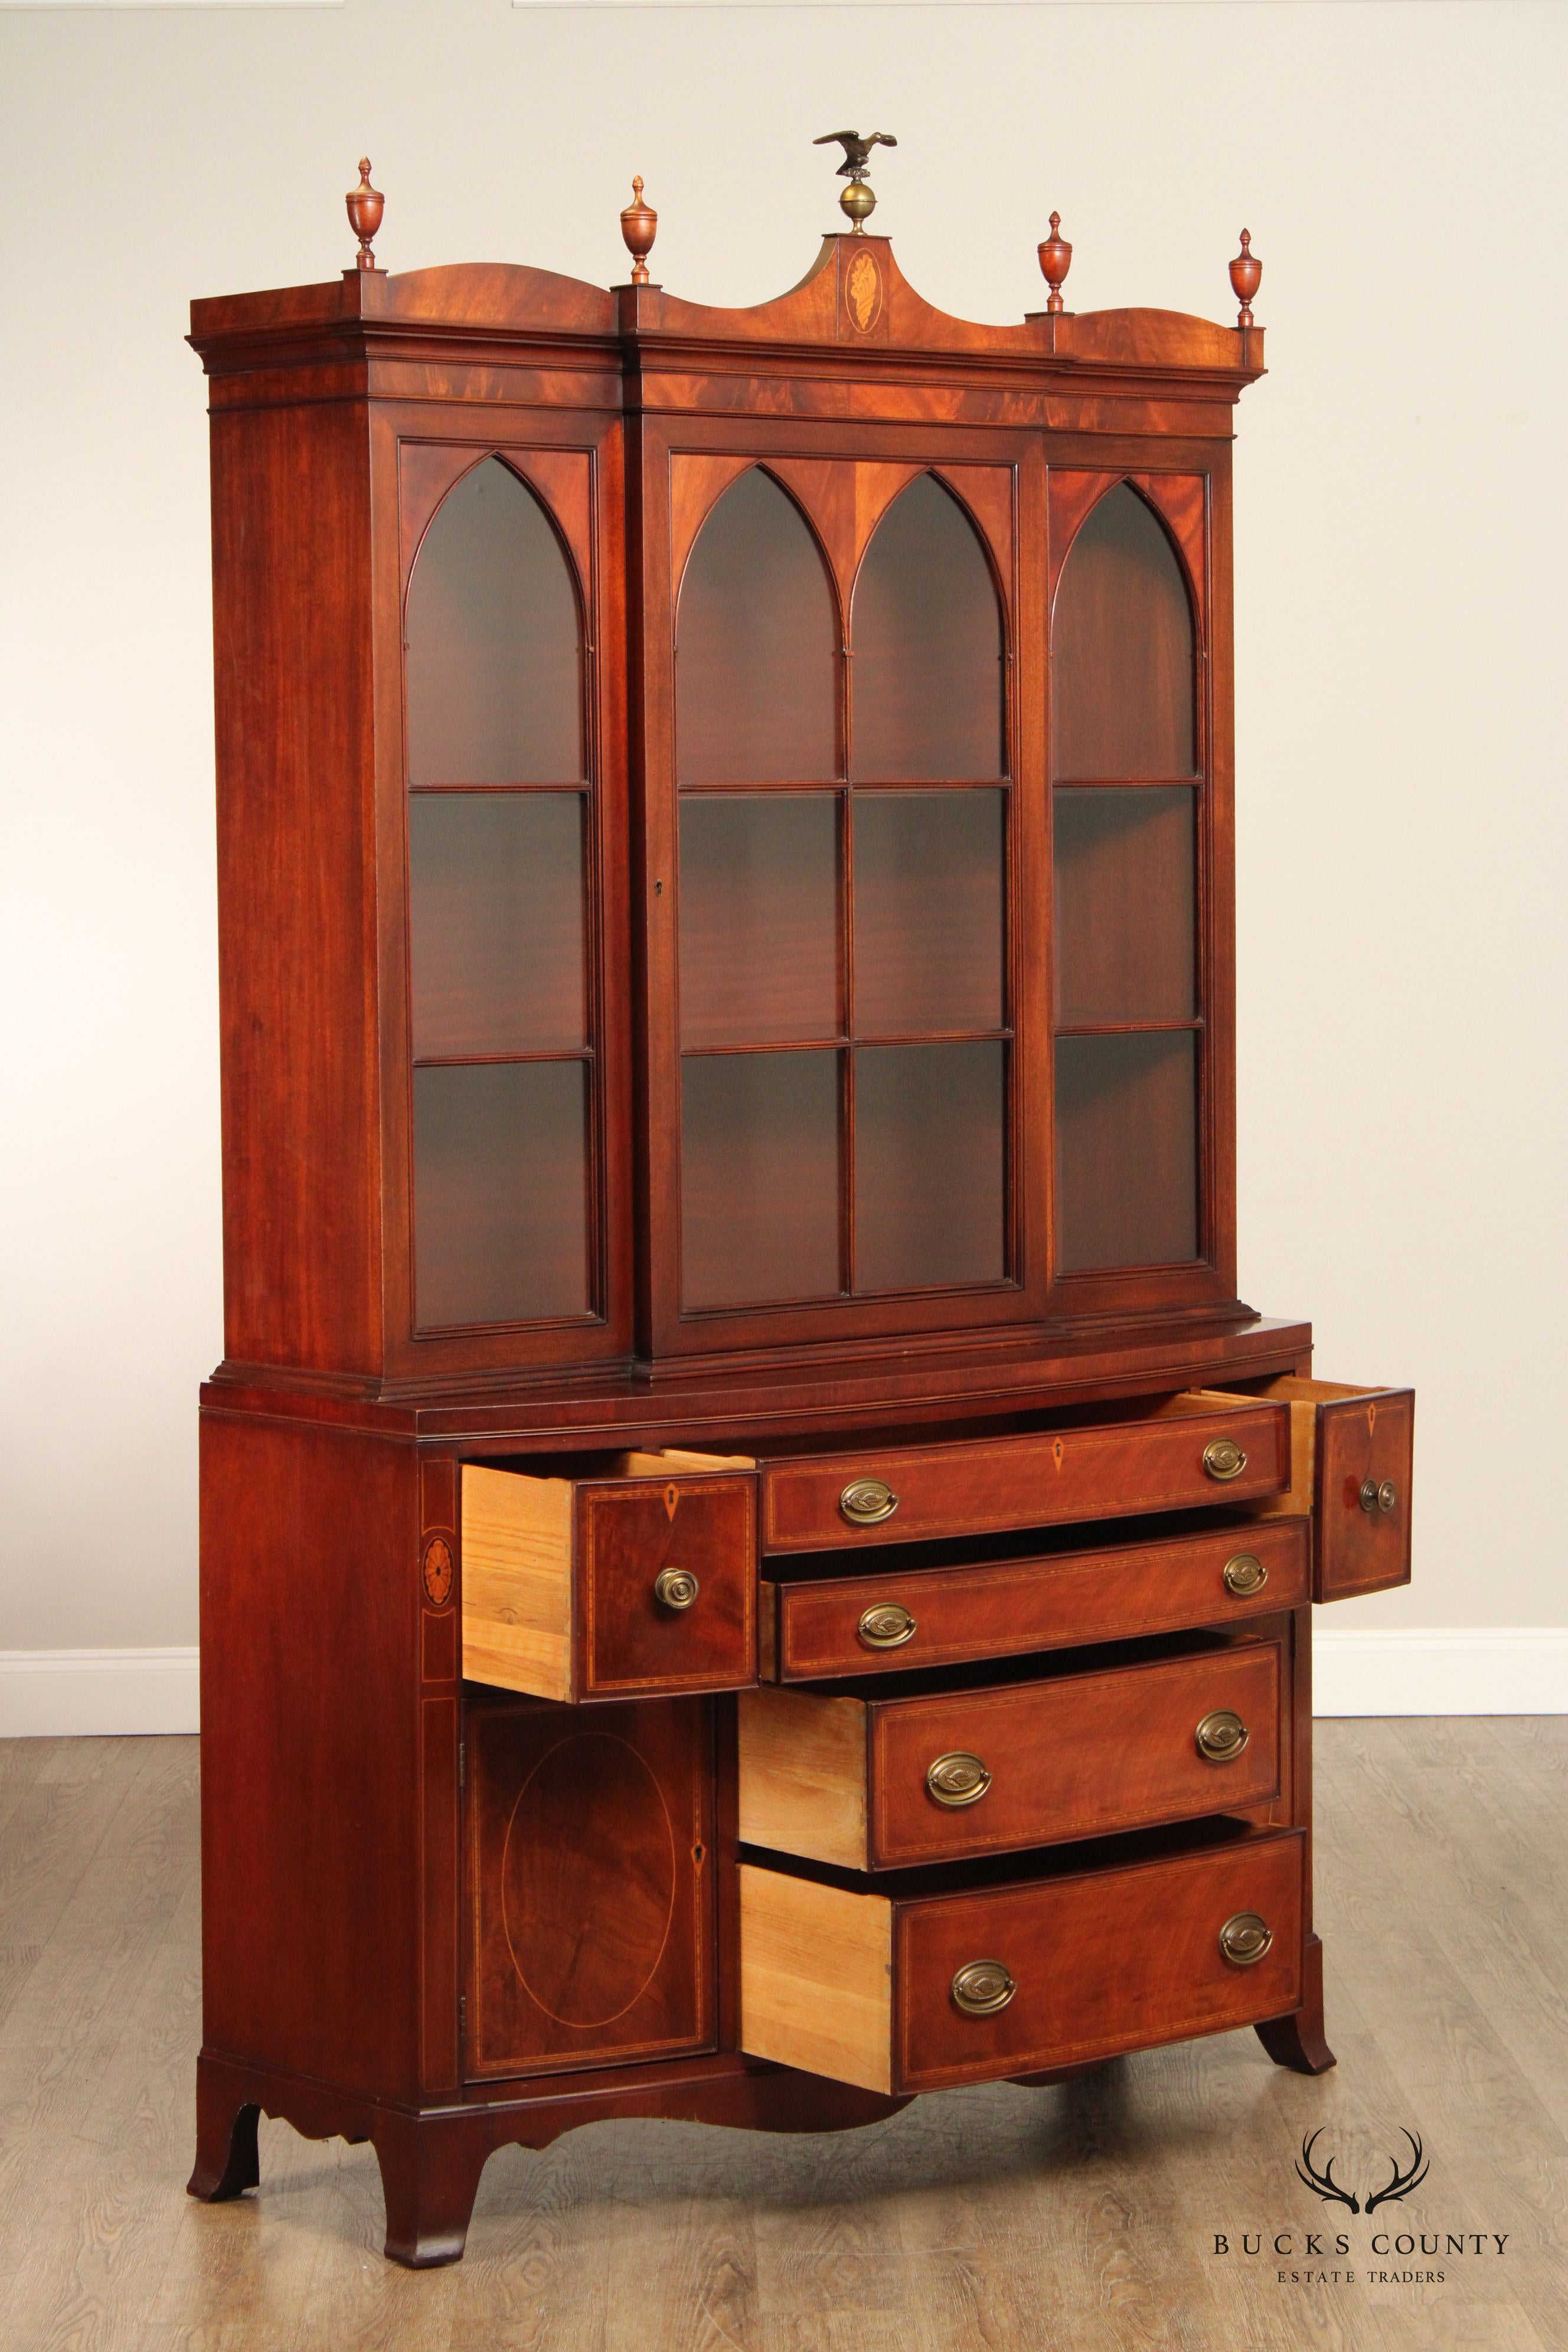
(999, 2219)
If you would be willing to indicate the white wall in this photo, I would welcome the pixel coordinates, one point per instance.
(1401, 627)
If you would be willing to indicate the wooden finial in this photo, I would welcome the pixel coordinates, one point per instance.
(1055, 261)
(366, 205)
(639, 226)
(1246, 276)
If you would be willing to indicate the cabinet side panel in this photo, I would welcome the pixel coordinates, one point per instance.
(295, 891)
(309, 1780)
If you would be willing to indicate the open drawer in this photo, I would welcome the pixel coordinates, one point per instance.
(1182, 1454)
(926, 1984)
(641, 1580)
(875, 1779)
(1350, 1457)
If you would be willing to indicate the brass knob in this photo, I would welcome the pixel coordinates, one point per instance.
(675, 1588)
(1244, 1939)
(957, 1780)
(1221, 1736)
(981, 1989)
(1223, 1458)
(1387, 1496)
(1246, 1573)
(887, 1626)
(866, 1500)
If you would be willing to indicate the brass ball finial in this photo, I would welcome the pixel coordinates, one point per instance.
(366, 205)
(639, 226)
(856, 202)
(1246, 276)
(1055, 261)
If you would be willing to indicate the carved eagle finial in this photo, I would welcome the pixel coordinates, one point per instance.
(856, 151)
(858, 201)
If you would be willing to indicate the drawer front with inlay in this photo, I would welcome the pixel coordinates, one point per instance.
(884, 1783)
(897, 1618)
(913, 1993)
(1187, 1456)
(611, 1587)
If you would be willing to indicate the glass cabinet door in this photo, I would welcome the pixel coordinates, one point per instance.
(498, 914)
(1126, 758)
(842, 824)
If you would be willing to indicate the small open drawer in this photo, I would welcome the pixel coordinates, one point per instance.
(640, 1580)
(875, 1780)
(1350, 1457)
(919, 1986)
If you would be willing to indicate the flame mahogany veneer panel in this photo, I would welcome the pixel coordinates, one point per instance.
(589, 1884)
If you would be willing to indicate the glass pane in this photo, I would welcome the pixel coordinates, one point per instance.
(760, 924)
(756, 649)
(1125, 876)
(928, 912)
(501, 1192)
(759, 1178)
(927, 1166)
(1122, 647)
(496, 912)
(494, 660)
(927, 673)
(1127, 1158)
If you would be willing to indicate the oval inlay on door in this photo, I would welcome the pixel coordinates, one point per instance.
(588, 1879)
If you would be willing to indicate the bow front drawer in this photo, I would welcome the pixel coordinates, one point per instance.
(611, 1587)
(817, 1626)
(881, 1783)
(913, 1990)
(1190, 1452)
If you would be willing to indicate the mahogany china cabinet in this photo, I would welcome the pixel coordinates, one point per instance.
(754, 1563)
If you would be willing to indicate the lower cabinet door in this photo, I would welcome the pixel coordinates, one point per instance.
(911, 1991)
(589, 1884)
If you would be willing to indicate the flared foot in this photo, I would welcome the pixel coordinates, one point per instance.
(228, 2159)
(429, 2178)
(1297, 2040)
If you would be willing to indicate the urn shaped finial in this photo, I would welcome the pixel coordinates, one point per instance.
(1246, 276)
(639, 226)
(1055, 261)
(366, 205)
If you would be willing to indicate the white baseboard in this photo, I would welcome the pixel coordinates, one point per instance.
(85, 1694)
(1435, 1670)
(1440, 1670)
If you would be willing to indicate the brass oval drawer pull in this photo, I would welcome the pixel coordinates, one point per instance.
(887, 1626)
(1245, 1938)
(1246, 1573)
(1375, 1497)
(865, 1501)
(1223, 1458)
(981, 1989)
(675, 1588)
(1221, 1736)
(957, 1780)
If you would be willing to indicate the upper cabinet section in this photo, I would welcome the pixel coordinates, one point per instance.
(724, 820)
